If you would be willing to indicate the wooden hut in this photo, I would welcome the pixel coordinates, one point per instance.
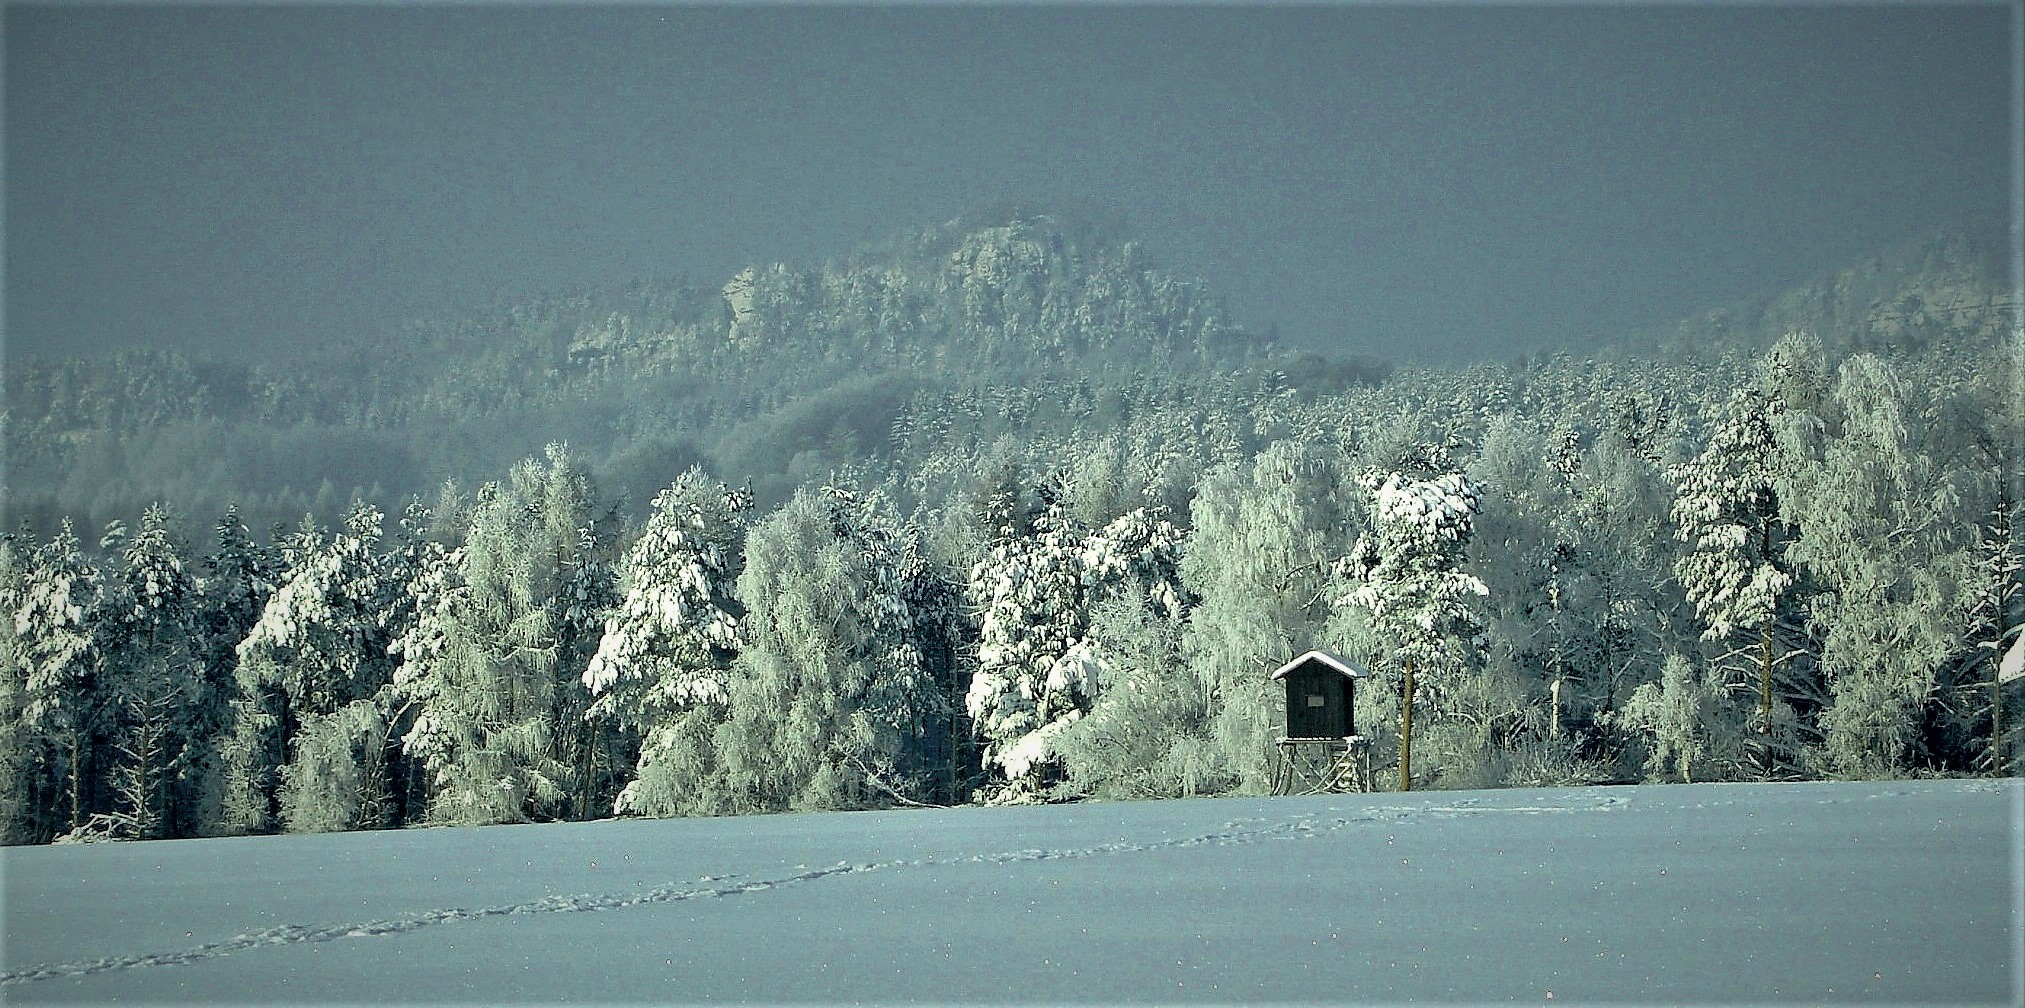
(1321, 750)
(1321, 696)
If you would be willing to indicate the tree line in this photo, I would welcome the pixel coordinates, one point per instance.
(1797, 564)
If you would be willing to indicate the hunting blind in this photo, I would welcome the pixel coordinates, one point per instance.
(1321, 750)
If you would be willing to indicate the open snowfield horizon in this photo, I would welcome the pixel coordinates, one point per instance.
(1900, 892)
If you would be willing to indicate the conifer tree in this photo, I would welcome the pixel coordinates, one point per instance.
(152, 672)
(1038, 670)
(241, 576)
(55, 616)
(1142, 735)
(321, 643)
(1731, 508)
(1034, 673)
(668, 642)
(1411, 584)
(494, 666)
(27, 782)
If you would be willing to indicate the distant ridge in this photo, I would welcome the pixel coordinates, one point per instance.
(1948, 284)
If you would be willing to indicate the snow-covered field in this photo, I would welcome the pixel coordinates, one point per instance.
(1898, 892)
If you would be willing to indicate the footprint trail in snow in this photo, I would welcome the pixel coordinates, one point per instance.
(717, 886)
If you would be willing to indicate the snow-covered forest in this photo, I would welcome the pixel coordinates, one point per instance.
(998, 514)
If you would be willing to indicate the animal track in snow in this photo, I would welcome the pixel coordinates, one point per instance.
(721, 886)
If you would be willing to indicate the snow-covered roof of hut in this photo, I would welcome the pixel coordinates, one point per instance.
(1349, 669)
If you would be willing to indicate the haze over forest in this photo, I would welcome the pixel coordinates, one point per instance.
(1422, 183)
(1665, 432)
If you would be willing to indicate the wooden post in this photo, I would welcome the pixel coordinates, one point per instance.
(1406, 733)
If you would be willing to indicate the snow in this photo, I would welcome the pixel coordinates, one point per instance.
(1801, 893)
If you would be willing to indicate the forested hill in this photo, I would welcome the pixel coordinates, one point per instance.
(995, 512)
(778, 369)
(779, 374)
(1951, 284)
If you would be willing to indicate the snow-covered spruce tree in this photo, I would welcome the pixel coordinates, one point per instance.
(1033, 675)
(1881, 532)
(493, 667)
(27, 760)
(1261, 541)
(668, 642)
(1408, 566)
(320, 644)
(345, 769)
(1730, 508)
(55, 616)
(240, 577)
(1126, 746)
(1994, 623)
(590, 595)
(151, 671)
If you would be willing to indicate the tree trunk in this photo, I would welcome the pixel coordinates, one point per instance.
(586, 767)
(76, 780)
(1554, 691)
(1406, 733)
(1997, 713)
(1765, 679)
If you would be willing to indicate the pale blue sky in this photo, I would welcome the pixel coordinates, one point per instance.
(1406, 180)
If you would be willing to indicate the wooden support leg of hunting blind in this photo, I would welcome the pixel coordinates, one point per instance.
(1322, 765)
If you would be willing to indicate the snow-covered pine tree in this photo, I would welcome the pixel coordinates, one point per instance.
(240, 577)
(1038, 669)
(254, 744)
(1141, 696)
(670, 638)
(1410, 582)
(151, 671)
(348, 770)
(1730, 508)
(589, 595)
(27, 782)
(320, 644)
(1032, 677)
(55, 617)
